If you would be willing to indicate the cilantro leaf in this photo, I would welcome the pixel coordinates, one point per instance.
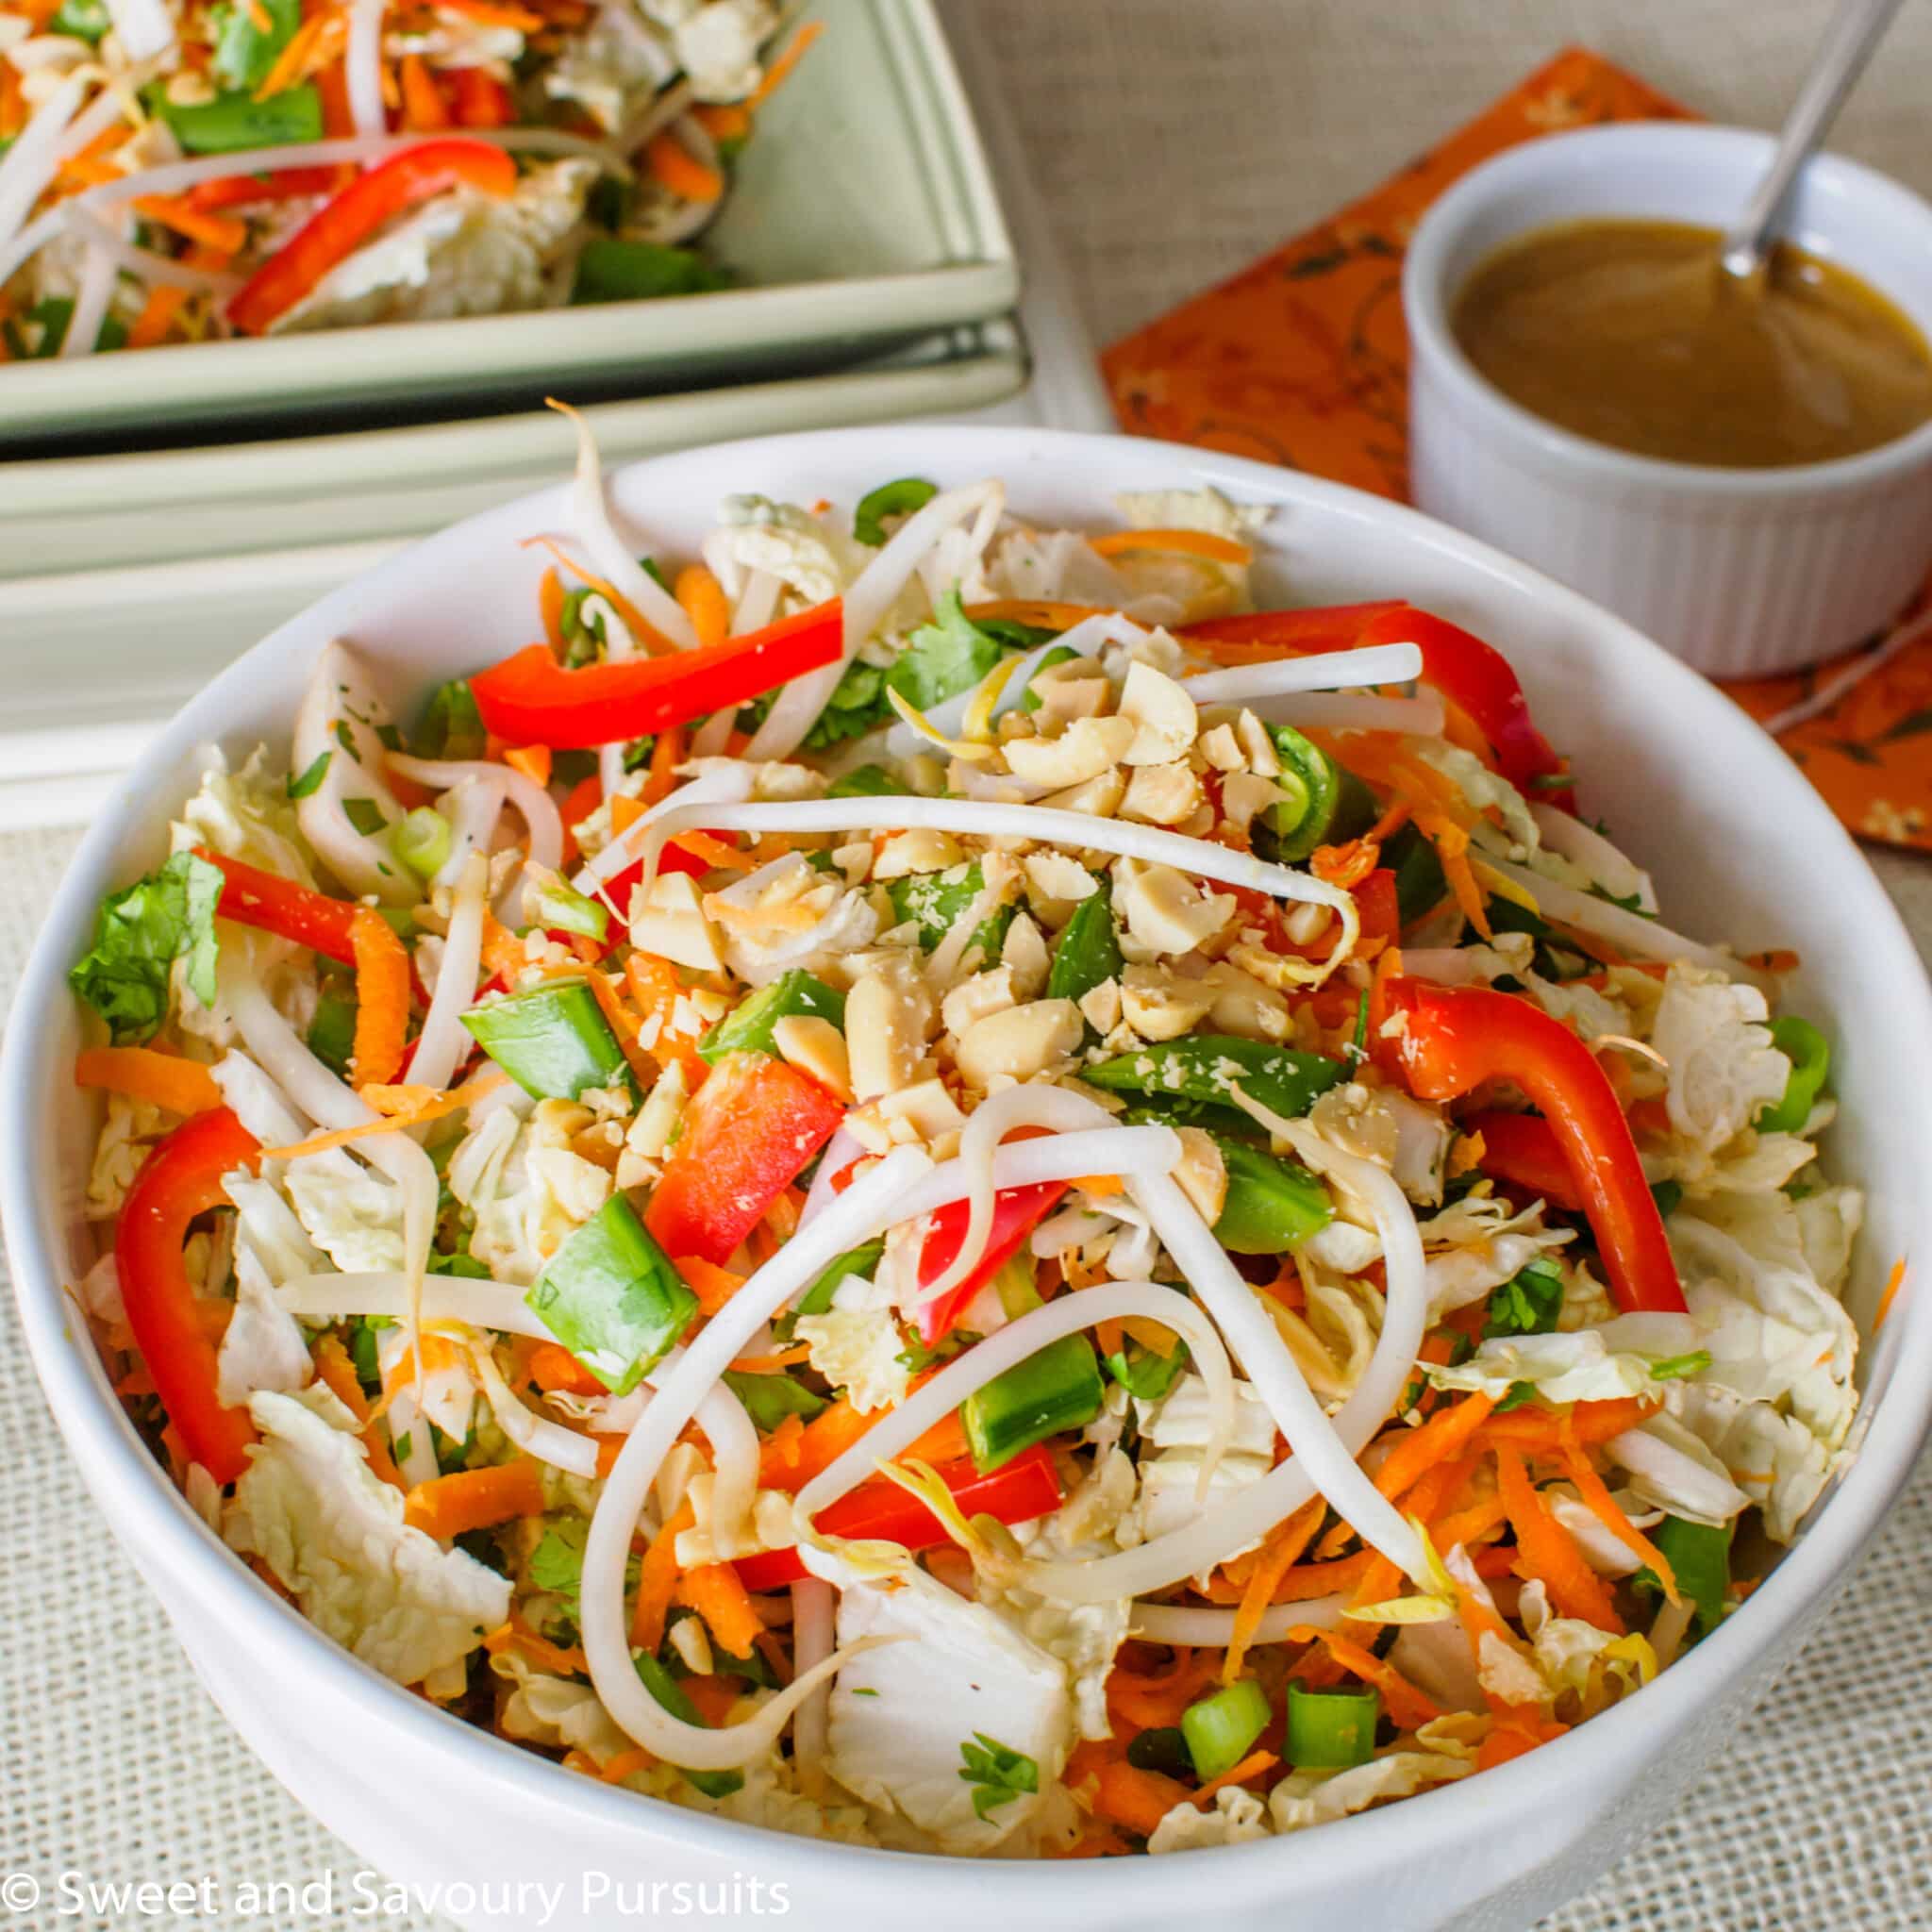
(769, 1399)
(944, 657)
(139, 934)
(311, 780)
(997, 1774)
(858, 704)
(1528, 1302)
(556, 1564)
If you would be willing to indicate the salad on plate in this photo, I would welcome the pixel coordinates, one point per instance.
(927, 1182)
(176, 170)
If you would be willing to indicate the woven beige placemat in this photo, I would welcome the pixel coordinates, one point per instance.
(1173, 140)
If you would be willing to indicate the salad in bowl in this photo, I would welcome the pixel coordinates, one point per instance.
(924, 1182)
(172, 172)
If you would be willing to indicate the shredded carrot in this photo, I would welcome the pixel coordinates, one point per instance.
(654, 985)
(518, 1636)
(553, 1368)
(226, 232)
(1467, 1525)
(667, 754)
(424, 111)
(1151, 1701)
(440, 1107)
(1405, 1705)
(624, 1764)
(772, 1364)
(470, 1499)
(790, 1461)
(658, 1580)
(1443, 1437)
(336, 1372)
(674, 166)
(1042, 614)
(722, 120)
(645, 635)
(715, 851)
(1278, 1553)
(1204, 544)
(149, 329)
(1603, 1505)
(1548, 1552)
(703, 598)
(146, 1073)
(382, 997)
(293, 61)
(1894, 1281)
(532, 760)
(1452, 850)
(776, 73)
(1383, 1580)
(496, 13)
(712, 1285)
(1537, 1432)
(713, 1590)
(1252, 1765)
(1134, 1799)
(1345, 865)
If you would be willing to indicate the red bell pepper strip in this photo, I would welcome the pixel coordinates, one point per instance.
(340, 226)
(748, 1131)
(180, 1179)
(532, 699)
(1477, 677)
(880, 1510)
(1377, 906)
(243, 191)
(1016, 1212)
(1521, 1149)
(1457, 1037)
(1471, 673)
(1327, 627)
(262, 899)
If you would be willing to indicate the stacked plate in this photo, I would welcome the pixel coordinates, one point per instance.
(160, 511)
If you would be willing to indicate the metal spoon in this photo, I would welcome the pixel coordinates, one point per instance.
(1855, 32)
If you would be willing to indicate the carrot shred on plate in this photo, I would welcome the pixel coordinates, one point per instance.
(1548, 1552)
(1203, 543)
(467, 1499)
(146, 1073)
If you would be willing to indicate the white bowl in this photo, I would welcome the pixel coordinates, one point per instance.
(1742, 573)
(1742, 847)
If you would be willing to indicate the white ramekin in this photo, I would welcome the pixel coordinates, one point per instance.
(1742, 848)
(1740, 573)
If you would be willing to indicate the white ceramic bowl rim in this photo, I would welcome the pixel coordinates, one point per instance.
(1425, 299)
(155, 1519)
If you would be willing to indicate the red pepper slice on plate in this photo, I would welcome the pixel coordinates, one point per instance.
(532, 699)
(180, 1179)
(1017, 1492)
(340, 226)
(1016, 1212)
(748, 1132)
(1323, 628)
(243, 191)
(1522, 1150)
(1472, 674)
(1476, 676)
(1457, 1037)
(273, 904)
(1377, 906)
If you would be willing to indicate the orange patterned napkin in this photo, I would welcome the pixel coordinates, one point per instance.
(1302, 359)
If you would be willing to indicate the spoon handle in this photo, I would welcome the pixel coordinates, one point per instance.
(1855, 31)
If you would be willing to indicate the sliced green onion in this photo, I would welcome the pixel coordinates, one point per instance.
(1220, 1730)
(897, 499)
(1810, 1054)
(421, 840)
(567, 910)
(1058, 1389)
(365, 815)
(671, 1696)
(1331, 1730)
(552, 1040)
(611, 1295)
